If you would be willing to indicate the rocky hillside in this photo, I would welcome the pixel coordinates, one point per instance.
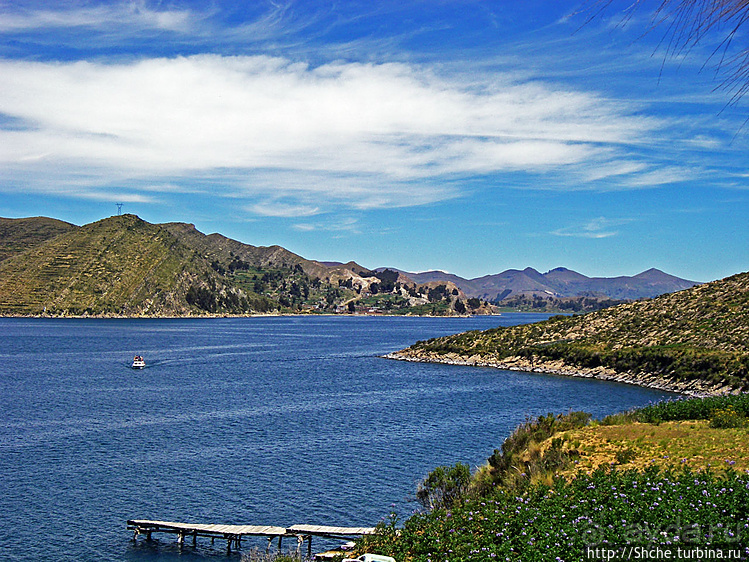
(222, 250)
(696, 340)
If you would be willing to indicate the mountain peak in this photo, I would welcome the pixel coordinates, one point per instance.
(653, 273)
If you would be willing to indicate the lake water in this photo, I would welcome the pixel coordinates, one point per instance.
(265, 421)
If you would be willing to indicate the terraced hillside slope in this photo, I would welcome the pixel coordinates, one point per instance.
(18, 235)
(693, 341)
(222, 250)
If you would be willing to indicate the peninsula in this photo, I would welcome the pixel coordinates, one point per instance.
(692, 341)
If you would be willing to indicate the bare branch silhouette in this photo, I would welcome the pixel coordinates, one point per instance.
(691, 22)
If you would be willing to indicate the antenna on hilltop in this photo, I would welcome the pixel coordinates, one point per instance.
(119, 208)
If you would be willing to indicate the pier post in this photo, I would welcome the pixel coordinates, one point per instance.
(309, 546)
(195, 539)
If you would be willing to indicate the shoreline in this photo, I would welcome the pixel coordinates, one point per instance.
(692, 388)
(250, 315)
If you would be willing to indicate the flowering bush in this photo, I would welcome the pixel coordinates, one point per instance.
(727, 418)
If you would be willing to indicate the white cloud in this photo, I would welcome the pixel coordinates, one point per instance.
(122, 15)
(600, 227)
(115, 196)
(278, 209)
(334, 225)
(361, 135)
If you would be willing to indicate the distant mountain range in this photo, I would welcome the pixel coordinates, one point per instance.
(559, 283)
(123, 265)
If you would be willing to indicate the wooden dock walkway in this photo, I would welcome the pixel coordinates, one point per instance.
(233, 534)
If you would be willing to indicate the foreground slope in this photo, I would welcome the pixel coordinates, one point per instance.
(667, 481)
(695, 341)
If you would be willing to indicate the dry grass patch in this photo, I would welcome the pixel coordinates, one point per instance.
(637, 445)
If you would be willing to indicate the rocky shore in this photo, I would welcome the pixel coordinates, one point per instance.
(690, 388)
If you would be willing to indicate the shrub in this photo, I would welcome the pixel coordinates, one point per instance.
(256, 555)
(444, 486)
(727, 418)
(520, 460)
(623, 456)
(692, 408)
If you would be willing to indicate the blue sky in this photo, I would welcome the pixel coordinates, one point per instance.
(469, 136)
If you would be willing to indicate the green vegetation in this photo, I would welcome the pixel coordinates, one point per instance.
(693, 409)
(522, 459)
(536, 303)
(256, 555)
(557, 504)
(698, 334)
(444, 486)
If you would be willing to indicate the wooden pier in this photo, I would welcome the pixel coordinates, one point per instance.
(233, 534)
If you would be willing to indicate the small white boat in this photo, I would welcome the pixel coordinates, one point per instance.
(139, 362)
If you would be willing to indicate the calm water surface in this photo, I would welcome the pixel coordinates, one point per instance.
(266, 421)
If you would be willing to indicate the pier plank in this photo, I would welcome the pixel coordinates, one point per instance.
(329, 531)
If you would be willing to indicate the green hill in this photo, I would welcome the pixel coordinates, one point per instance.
(693, 340)
(18, 235)
(119, 265)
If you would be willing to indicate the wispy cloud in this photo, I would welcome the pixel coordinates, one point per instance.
(279, 209)
(347, 224)
(122, 15)
(600, 227)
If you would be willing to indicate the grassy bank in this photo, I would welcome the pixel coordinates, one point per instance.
(671, 474)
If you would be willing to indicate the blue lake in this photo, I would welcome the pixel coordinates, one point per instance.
(263, 421)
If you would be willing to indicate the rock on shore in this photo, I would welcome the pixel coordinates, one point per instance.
(558, 367)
